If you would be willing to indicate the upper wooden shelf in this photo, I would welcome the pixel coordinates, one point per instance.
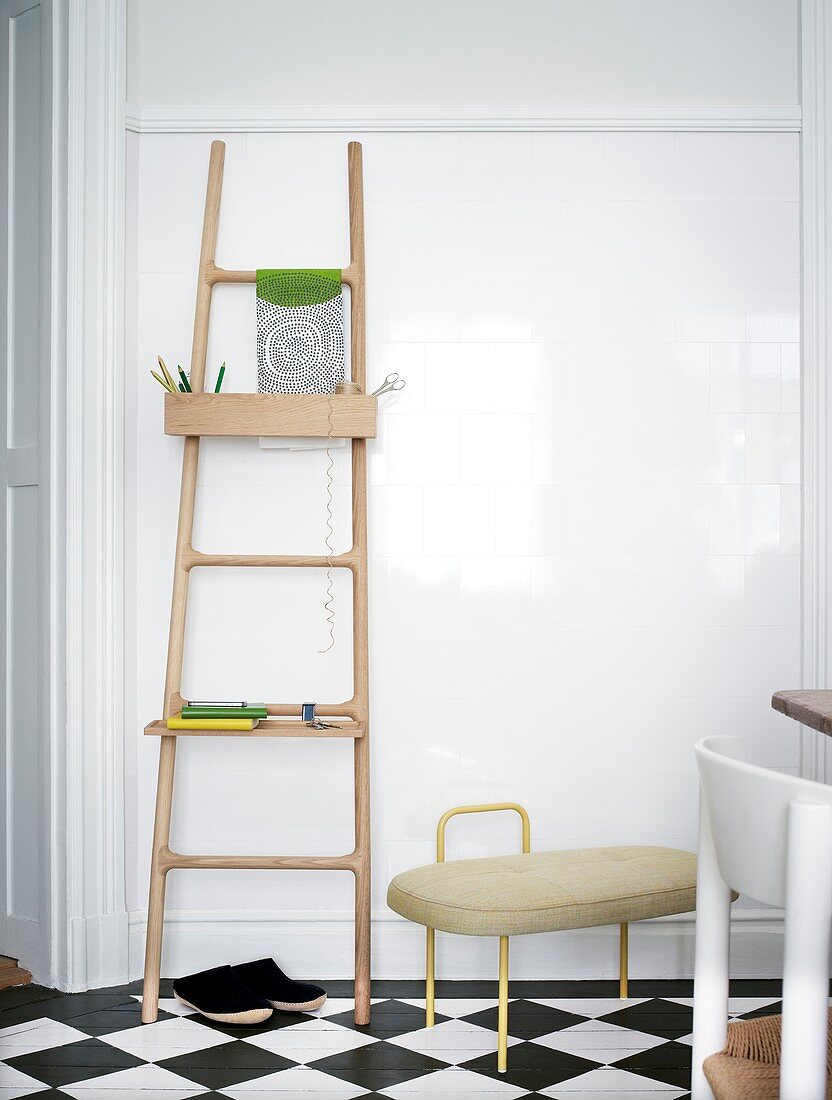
(267, 728)
(353, 415)
(812, 708)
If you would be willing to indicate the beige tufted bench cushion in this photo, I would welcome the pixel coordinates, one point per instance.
(547, 891)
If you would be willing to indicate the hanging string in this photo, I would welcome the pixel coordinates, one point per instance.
(329, 609)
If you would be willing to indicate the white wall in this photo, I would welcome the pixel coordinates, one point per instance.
(638, 52)
(584, 515)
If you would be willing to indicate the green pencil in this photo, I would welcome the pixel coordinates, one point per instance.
(186, 385)
(219, 379)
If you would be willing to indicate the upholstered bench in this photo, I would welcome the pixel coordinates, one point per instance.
(540, 892)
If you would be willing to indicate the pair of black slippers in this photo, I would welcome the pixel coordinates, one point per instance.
(246, 994)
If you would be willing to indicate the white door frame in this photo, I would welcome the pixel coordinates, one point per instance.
(90, 918)
(816, 348)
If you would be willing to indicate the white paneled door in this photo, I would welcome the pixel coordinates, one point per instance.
(25, 42)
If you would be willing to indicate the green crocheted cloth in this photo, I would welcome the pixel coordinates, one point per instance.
(306, 287)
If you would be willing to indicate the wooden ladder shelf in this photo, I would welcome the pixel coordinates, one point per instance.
(354, 417)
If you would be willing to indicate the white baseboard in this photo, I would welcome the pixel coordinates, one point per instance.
(312, 945)
(100, 948)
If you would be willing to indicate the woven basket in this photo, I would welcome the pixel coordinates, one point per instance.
(749, 1067)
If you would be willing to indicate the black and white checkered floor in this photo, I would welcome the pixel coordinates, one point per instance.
(567, 1040)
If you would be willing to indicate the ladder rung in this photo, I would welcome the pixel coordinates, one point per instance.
(169, 860)
(213, 274)
(350, 708)
(349, 560)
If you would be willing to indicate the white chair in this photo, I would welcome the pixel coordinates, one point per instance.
(767, 835)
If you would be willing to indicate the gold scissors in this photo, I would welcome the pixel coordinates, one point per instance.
(390, 384)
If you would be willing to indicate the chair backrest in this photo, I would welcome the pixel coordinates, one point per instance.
(748, 812)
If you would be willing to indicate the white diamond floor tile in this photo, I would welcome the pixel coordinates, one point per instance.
(333, 1005)
(738, 1006)
(296, 1083)
(610, 1084)
(310, 1040)
(139, 1083)
(590, 1006)
(454, 1084)
(165, 1039)
(453, 1041)
(172, 1006)
(599, 1041)
(14, 1083)
(36, 1035)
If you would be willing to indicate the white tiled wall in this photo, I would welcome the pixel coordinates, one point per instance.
(584, 506)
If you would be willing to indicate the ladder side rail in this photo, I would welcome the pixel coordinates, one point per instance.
(361, 682)
(179, 601)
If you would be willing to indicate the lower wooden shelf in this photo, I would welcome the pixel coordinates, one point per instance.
(268, 728)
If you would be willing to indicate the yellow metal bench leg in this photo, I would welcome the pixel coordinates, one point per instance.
(623, 952)
(430, 966)
(502, 1011)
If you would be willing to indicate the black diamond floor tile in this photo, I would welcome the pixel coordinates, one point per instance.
(105, 1021)
(656, 1017)
(389, 1018)
(773, 1009)
(527, 1020)
(670, 1063)
(64, 1065)
(226, 1065)
(78, 1004)
(378, 1065)
(21, 995)
(531, 1066)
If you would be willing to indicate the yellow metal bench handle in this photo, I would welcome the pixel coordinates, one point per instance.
(487, 808)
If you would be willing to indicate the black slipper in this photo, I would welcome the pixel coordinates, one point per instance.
(222, 995)
(266, 978)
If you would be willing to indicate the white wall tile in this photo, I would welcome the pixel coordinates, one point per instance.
(774, 307)
(423, 450)
(711, 166)
(771, 455)
(426, 309)
(774, 167)
(460, 378)
(745, 519)
(459, 519)
(711, 307)
(495, 450)
(568, 166)
(745, 378)
(496, 166)
(497, 308)
(790, 377)
(587, 490)
(639, 166)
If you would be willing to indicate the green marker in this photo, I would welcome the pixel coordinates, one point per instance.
(218, 386)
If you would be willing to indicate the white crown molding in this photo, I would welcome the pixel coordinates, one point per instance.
(366, 119)
(94, 938)
(816, 341)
